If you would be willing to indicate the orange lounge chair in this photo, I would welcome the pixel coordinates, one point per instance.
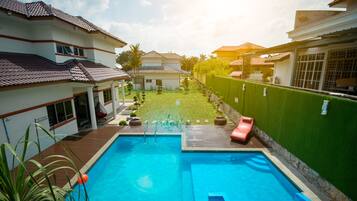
(243, 129)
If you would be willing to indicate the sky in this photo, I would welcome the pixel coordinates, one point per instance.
(192, 27)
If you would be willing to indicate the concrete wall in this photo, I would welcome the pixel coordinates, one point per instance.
(283, 71)
(147, 62)
(14, 100)
(172, 63)
(48, 31)
(169, 81)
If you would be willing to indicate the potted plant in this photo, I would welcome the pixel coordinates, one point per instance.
(129, 87)
(136, 101)
(220, 120)
(142, 96)
(123, 123)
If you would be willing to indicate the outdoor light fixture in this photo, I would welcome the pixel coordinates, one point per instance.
(236, 99)
(324, 107)
(243, 87)
(265, 91)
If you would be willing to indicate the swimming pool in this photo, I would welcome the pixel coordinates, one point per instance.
(157, 170)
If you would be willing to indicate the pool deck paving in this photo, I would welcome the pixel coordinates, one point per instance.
(89, 146)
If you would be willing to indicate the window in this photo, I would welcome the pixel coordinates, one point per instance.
(78, 51)
(107, 95)
(148, 81)
(59, 112)
(63, 49)
(308, 70)
(341, 64)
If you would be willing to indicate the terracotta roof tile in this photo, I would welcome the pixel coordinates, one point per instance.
(255, 61)
(20, 69)
(244, 46)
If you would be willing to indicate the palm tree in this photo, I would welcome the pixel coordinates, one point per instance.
(135, 57)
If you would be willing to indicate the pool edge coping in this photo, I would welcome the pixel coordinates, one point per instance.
(286, 171)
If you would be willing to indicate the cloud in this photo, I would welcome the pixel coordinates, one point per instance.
(192, 27)
(145, 3)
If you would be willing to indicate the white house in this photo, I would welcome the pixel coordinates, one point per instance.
(55, 69)
(323, 51)
(159, 69)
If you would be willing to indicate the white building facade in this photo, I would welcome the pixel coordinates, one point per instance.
(57, 70)
(159, 70)
(323, 52)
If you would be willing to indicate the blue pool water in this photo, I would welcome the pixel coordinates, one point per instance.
(132, 170)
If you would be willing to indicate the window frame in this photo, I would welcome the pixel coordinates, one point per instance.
(77, 51)
(68, 113)
(107, 95)
(65, 49)
(309, 70)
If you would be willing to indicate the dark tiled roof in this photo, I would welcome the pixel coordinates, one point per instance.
(95, 72)
(41, 9)
(21, 69)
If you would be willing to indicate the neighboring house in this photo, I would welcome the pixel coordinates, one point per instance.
(254, 68)
(55, 69)
(231, 53)
(323, 51)
(246, 66)
(159, 70)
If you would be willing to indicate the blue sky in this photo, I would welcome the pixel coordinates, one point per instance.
(192, 27)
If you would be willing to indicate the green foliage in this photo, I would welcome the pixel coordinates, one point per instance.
(133, 114)
(130, 87)
(293, 119)
(135, 57)
(186, 84)
(192, 106)
(133, 107)
(123, 123)
(212, 66)
(159, 89)
(187, 63)
(123, 60)
(37, 183)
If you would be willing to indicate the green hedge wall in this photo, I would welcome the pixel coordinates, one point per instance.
(327, 143)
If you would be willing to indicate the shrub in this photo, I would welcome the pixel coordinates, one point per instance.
(37, 183)
(123, 123)
(133, 114)
(132, 107)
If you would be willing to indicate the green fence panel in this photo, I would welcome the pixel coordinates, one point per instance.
(293, 119)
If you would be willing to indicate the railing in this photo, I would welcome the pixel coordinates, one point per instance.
(146, 127)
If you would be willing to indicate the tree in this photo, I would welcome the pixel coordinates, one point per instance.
(135, 57)
(187, 63)
(123, 60)
(203, 57)
(212, 66)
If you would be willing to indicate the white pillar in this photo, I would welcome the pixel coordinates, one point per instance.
(114, 105)
(123, 90)
(73, 108)
(93, 119)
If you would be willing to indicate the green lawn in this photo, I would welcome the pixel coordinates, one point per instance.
(192, 106)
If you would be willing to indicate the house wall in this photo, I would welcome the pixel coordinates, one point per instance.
(18, 99)
(169, 81)
(332, 24)
(228, 56)
(147, 62)
(40, 36)
(173, 63)
(283, 71)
